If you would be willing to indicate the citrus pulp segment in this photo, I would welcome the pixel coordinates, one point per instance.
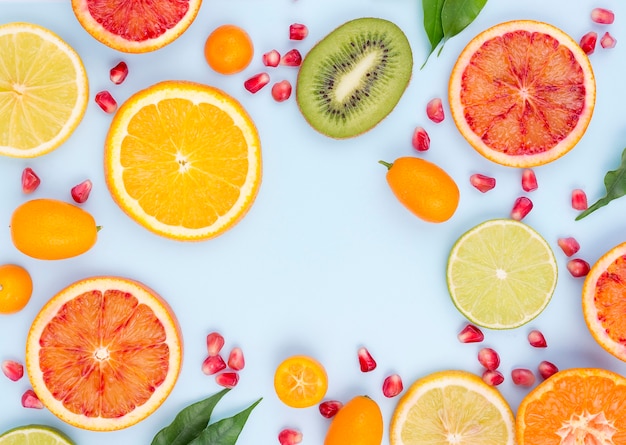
(183, 160)
(104, 353)
(300, 381)
(136, 26)
(43, 90)
(34, 435)
(574, 406)
(452, 407)
(501, 274)
(522, 93)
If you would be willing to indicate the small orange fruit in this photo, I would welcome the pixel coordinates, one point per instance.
(16, 288)
(48, 229)
(228, 49)
(104, 353)
(300, 381)
(424, 188)
(358, 422)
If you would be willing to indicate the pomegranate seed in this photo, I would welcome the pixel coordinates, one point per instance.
(470, 334)
(579, 199)
(547, 369)
(236, 361)
(13, 370)
(521, 208)
(529, 180)
(489, 358)
(588, 42)
(421, 140)
(602, 16)
(213, 364)
(578, 268)
(118, 73)
(214, 343)
(281, 91)
(106, 102)
(291, 58)
(482, 183)
(608, 41)
(392, 386)
(492, 377)
(366, 361)
(80, 192)
(569, 245)
(227, 379)
(298, 31)
(329, 408)
(434, 110)
(523, 377)
(536, 339)
(30, 400)
(271, 58)
(256, 82)
(289, 436)
(30, 180)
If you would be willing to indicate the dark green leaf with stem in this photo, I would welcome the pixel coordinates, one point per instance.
(456, 15)
(615, 184)
(432, 22)
(225, 431)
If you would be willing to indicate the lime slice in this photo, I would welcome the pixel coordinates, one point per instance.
(501, 274)
(34, 435)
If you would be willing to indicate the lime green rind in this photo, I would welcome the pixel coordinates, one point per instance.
(35, 435)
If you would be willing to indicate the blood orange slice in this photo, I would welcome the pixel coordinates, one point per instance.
(522, 93)
(136, 26)
(104, 353)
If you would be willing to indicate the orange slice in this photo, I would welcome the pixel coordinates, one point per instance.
(183, 160)
(104, 353)
(575, 406)
(136, 26)
(522, 93)
(300, 381)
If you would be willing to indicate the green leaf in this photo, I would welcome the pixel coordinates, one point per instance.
(432, 21)
(189, 422)
(456, 15)
(226, 431)
(615, 184)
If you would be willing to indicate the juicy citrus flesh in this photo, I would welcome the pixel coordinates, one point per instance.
(452, 407)
(16, 288)
(136, 26)
(522, 93)
(300, 381)
(501, 274)
(579, 405)
(104, 353)
(34, 435)
(228, 49)
(43, 90)
(183, 160)
(358, 422)
(604, 301)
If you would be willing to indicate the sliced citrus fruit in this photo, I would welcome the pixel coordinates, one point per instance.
(43, 90)
(300, 381)
(452, 407)
(183, 160)
(136, 27)
(604, 301)
(522, 93)
(104, 353)
(34, 435)
(574, 406)
(501, 274)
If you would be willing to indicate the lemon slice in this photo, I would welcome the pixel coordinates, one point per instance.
(452, 407)
(501, 274)
(34, 435)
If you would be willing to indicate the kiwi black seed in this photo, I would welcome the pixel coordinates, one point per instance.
(354, 77)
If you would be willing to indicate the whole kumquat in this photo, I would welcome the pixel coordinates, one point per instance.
(228, 49)
(16, 288)
(358, 422)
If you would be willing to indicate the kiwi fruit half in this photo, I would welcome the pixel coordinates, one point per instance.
(354, 77)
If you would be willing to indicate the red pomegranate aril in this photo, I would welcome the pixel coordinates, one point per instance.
(291, 58)
(256, 82)
(271, 58)
(281, 91)
(588, 42)
(529, 180)
(80, 192)
(579, 199)
(30, 180)
(30, 400)
(392, 386)
(118, 73)
(13, 370)
(329, 408)
(434, 110)
(482, 183)
(470, 334)
(547, 369)
(523, 377)
(214, 343)
(492, 377)
(366, 361)
(536, 339)
(568, 245)
(106, 102)
(602, 16)
(421, 140)
(607, 41)
(489, 358)
(298, 31)
(521, 207)
(213, 364)
(289, 436)
(578, 267)
(227, 379)
(236, 361)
